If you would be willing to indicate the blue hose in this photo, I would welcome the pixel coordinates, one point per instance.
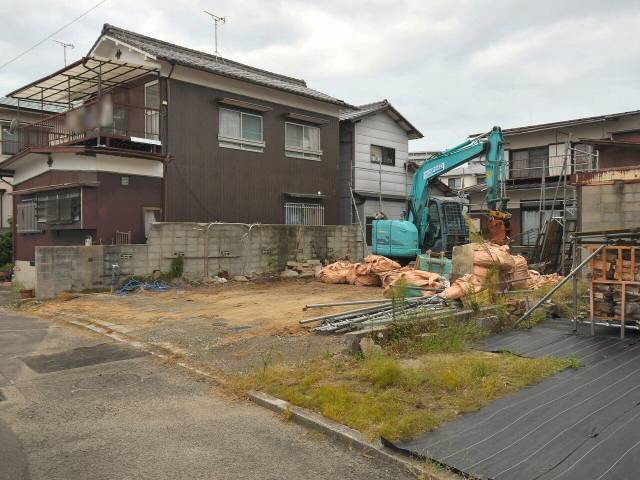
(134, 285)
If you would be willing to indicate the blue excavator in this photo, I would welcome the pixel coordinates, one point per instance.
(437, 224)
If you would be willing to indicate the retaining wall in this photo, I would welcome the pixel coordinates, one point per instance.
(207, 249)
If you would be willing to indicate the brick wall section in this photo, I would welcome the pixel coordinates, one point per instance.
(239, 249)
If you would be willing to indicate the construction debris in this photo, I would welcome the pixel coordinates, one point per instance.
(376, 270)
(416, 282)
(511, 271)
(377, 316)
(305, 269)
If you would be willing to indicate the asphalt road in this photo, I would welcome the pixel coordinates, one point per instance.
(72, 407)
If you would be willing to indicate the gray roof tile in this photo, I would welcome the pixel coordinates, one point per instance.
(353, 114)
(215, 64)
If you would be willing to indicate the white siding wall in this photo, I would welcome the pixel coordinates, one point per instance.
(381, 130)
(392, 208)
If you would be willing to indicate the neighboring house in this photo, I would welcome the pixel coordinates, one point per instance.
(249, 145)
(154, 131)
(535, 156)
(374, 163)
(13, 114)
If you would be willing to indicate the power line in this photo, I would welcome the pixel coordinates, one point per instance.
(53, 34)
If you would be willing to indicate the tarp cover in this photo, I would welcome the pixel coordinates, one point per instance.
(580, 424)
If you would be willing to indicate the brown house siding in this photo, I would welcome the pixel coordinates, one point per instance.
(106, 208)
(209, 183)
(618, 157)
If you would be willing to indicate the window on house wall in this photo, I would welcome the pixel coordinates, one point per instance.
(303, 214)
(302, 141)
(49, 209)
(455, 183)
(151, 111)
(240, 130)
(27, 221)
(383, 155)
(59, 208)
(584, 157)
(529, 163)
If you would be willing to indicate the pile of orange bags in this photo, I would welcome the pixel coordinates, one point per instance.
(415, 278)
(336, 272)
(376, 270)
(513, 272)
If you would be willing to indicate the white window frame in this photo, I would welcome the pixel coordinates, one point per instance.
(241, 143)
(294, 151)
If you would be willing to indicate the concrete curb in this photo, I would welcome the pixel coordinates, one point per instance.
(343, 434)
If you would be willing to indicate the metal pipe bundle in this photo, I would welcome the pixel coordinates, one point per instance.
(378, 315)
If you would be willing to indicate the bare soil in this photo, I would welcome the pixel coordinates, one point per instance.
(233, 326)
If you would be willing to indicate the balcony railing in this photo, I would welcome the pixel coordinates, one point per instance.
(92, 120)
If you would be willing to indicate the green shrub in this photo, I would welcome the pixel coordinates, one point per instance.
(177, 267)
(6, 248)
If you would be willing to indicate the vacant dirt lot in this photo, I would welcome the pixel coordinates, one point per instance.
(231, 326)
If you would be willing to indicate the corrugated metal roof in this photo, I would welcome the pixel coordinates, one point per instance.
(362, 111)
(29, 105)
(79, 80)
(215, 64)
(565, 123)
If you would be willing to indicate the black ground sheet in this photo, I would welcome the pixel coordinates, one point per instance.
(580, 424)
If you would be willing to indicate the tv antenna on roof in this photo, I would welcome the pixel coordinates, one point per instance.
(216, 19)
(64, 48)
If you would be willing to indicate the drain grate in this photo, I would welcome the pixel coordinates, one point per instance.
(82, 357)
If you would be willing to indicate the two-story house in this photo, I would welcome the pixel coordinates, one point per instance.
(542, 161)
(375, 170)
(155, 131)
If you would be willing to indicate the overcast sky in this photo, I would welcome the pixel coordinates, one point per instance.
(451, 67)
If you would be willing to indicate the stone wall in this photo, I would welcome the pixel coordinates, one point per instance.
(207, 249)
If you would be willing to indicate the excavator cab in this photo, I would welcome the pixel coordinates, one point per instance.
(399, 238)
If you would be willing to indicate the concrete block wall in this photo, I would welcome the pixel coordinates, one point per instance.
(609, 207)
(242, 249)
(239, 249)
(68, 269)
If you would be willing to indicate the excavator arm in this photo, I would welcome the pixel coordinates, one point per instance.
(407, 238)
(492, 146)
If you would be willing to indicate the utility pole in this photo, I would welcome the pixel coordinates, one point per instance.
(216, 20)
(64, 49)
